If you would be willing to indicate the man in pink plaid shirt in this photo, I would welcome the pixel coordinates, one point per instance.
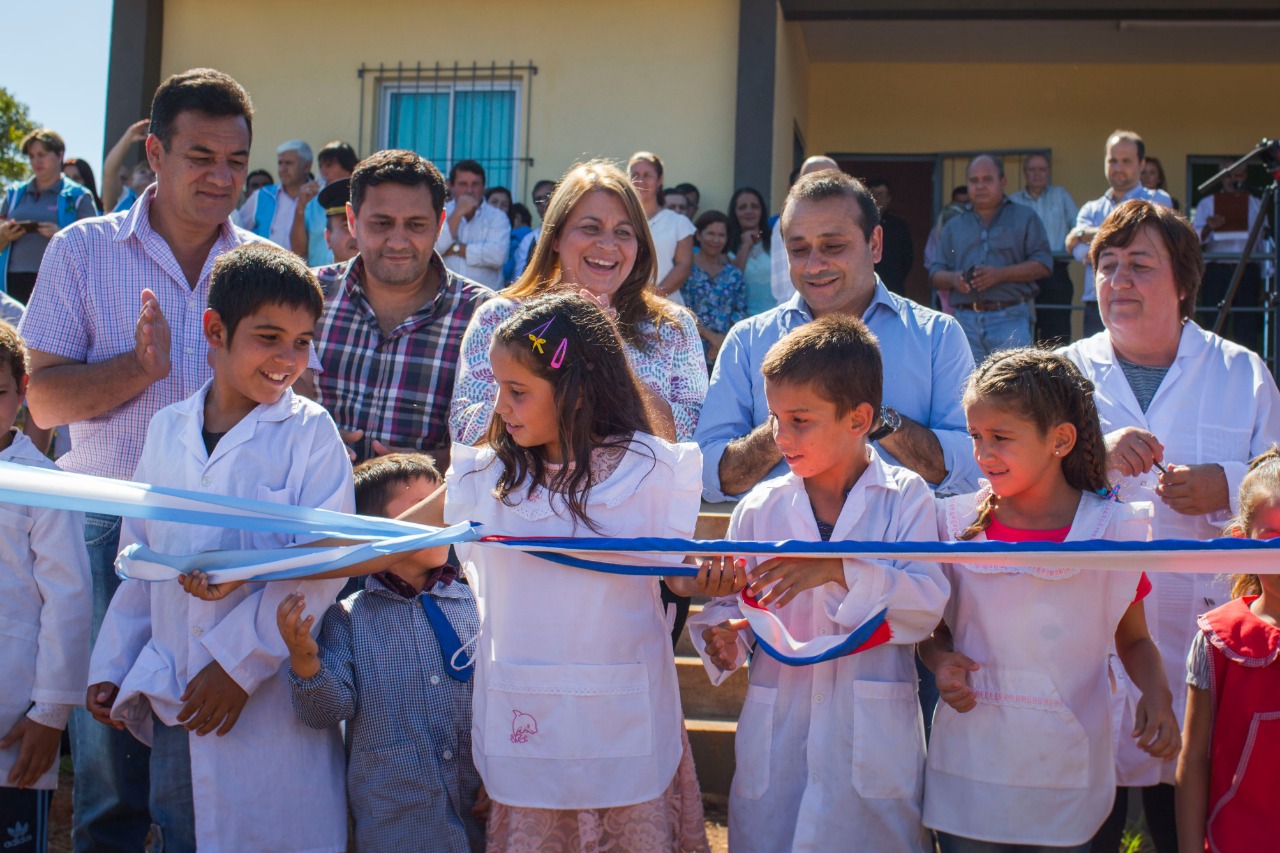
(114, 330)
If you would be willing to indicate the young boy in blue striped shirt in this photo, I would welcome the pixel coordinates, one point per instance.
(393, 662)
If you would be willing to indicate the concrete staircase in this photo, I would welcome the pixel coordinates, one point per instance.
(710, 717)
(710, 713)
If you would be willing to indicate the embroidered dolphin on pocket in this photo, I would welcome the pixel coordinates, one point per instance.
(522, 725)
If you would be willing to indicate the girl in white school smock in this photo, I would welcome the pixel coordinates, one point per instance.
(578, 731)
(1021, 749)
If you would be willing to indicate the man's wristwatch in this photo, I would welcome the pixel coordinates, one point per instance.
(890, 421)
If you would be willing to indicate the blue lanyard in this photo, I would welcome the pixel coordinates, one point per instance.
(450, 643)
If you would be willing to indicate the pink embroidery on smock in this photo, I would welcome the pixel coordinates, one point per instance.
(1020, 700)
(522, 725)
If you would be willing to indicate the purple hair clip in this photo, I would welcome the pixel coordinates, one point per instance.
(536, 336)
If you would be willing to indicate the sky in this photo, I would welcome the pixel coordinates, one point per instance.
(69, 98)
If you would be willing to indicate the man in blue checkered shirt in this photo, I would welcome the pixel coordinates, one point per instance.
(391, 330)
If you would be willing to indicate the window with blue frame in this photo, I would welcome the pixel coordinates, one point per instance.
(456, 120)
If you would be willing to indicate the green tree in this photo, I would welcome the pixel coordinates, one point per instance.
(15, 123)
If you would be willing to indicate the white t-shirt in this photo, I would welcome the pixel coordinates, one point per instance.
(281, 220)
(668, 229)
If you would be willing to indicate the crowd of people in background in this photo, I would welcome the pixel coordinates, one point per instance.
(598, 362)
(494, 249)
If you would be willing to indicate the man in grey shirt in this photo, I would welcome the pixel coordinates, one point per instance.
(990, 257)
(1057, 211)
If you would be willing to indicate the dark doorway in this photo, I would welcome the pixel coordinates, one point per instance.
(911, 186)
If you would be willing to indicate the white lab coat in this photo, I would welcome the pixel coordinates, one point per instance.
(271, 783)
(576, 704)
(1218, 403)
(1032, 763)
(46, 607)
(830, 756)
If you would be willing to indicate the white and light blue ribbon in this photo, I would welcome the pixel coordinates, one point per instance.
(24, 485)
(28, 486)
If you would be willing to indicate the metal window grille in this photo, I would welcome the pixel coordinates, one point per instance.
(454, 112)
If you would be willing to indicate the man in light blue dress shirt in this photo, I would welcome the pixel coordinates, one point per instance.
(1126, 152)
(832, 237)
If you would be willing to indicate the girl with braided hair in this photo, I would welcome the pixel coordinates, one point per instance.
(1021, 754)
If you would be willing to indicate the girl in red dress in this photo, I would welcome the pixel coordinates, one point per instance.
(1229, 771)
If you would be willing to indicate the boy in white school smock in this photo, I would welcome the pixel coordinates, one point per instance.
(829, 755)
(174, 669)
(45, 610)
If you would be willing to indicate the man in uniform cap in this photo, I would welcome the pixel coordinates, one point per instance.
(337, 231)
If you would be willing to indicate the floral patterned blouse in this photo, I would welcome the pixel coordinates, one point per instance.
(719, 302)
(673, 367)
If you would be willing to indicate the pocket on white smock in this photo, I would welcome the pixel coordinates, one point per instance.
(1020, 734)
(568, 711)
(888, 739)
(17, 662)
(15, 532)
(752, 745)
(263, 539)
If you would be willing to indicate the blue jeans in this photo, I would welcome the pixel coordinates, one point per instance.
(110, 794)
(172, 806)
(989, 331)
(956, 844)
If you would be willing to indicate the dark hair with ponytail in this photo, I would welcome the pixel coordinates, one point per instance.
(1047, 390)
(1260, 484)
(569, 342)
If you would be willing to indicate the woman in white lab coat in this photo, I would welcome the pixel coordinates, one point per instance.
(1183, 412)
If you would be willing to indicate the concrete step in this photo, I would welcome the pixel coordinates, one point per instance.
(711, 713)
(701, 699)
(713, 520)
(711, 741)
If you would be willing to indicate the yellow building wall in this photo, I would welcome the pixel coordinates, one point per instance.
(1178, 109)
(790, 103)
(611, 79)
